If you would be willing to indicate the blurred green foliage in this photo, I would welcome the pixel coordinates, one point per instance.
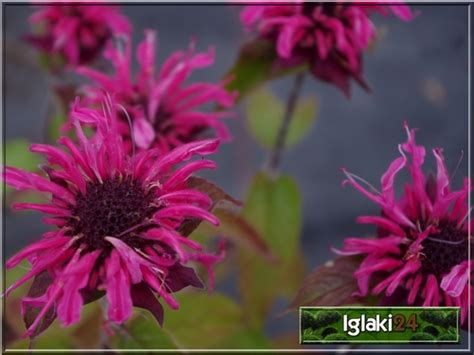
(17, 154)
(264, 114)
(273, 207)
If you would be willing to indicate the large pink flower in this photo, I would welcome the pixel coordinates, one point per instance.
(117, 220)
(164, 111)
(330, 37)
(77, 33)
(422, 244)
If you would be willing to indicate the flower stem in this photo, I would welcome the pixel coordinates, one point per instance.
(275, 155)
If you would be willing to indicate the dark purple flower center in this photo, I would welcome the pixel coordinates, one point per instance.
(445, 249)
(327, 9)
(118, 207)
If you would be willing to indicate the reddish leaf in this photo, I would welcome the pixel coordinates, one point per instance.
(142, 297)
(188, 226)
(236, 228)
(218, 196)
(9, 333)
(91, 295)
(38, 288)
(329, 285)
(181, 277)
(65, 94)
(212, 190)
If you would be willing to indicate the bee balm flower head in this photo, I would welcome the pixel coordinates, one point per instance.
(165, 112)
(77, 33)
(116, 220)
(330, 37)
(422, 248)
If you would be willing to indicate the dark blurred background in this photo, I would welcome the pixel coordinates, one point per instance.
(417, 72)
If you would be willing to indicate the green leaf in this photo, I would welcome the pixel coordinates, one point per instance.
(87, 334)
(265, 114)
(17, 154)
(303, 119)
(257, 63)
(247, 339)
(203, 321)
(54, 126)
(273, 207)
(143, 332)
(51, 62)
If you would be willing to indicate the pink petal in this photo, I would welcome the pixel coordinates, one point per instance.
(45, 244)
(151, 280)
(414, 289)
(182, 174)
(388, 179)
(75, 279)
(45, 208)
(180, 212)
(131, 259)
(431, 292)
(187, 196)
(118, 290)
(181, 154)
(383, 223)
(455, 282)
(146, 58)
(143, 132)
(381, 246)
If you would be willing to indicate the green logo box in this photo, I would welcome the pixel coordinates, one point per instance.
(382, 325)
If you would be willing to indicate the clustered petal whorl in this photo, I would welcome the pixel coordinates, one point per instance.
(117, 219)
(330, 37)
(423, 241)
(164, 110)
(78, 33)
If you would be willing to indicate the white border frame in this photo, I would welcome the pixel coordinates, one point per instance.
(468, 4)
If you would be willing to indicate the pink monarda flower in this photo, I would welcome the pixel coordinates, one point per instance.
(78, 33)
(330, 37)
(164, 112)
(117, 220)
(422, 244)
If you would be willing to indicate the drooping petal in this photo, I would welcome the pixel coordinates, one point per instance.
(118, 290)
(455, 282)
(431, 292)
(75, 278)
(42, 245)
(143, 133)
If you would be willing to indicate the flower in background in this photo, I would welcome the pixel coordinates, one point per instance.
(117, 220)
(77, 33)
(331, 37)
(422, 244)
(164, 112)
